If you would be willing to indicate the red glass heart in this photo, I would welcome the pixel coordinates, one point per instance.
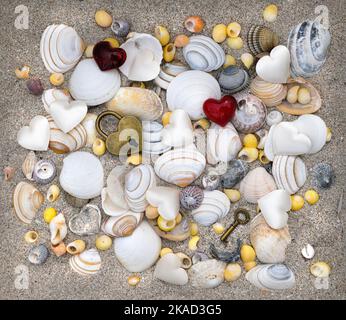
(220, 111)
(108, 58)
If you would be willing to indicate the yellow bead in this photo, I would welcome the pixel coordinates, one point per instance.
(166, 225)
(178, 218)
(169, 52)
(304, 96)
(249, 265)
(250, 141)
(22, 73)
(133, 280)
(99, 147)
(56, 79)
(233, 29)
(270, 13)
(329, 134)
(135, 159)
(232, 194)
(297, 202)
(31, 236)
(113, 42)
(262, 157)
(165, 118)
(89, 51)
(247, 253)
(248, 154)
(193, 243)
(229, 61)
(193, 229)
(49, 214)
(162, 34)
(232, 272)
(219, 33)
(151, 212)
(165, 251)
(103, 18)
(103, 242)
(311, 196)
(218, 228)
(181, 40)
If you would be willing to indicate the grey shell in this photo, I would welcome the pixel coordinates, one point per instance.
(236, 171)
(38, 254)
(233, 79)
(44, 171)
(191, 197)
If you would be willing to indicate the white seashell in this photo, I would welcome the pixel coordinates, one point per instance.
(289, 173)
(140, 250)
(256, 184)
(166, 200)
(223, 143)
(60, 48)
(207, 274)
(168, 72)
(270, 244)
(275, 68)
(274, 207)
(89, 125)
(35, 136)
(58, 229)
(86, 263)
(152, 140)
(169, 269)
(189, 90)
(179, 132)
(123, 225)
(29, 165)
(215, 206)
(274, 117)
(308, 252)
(143, 57)
(27, 200)
(131, 101)
(51, 95)
(271, 277)
(82, 175)
(203, 53)
(67, 115)
(263, 135)
(137, 182)
(91, 85)
(180, 166)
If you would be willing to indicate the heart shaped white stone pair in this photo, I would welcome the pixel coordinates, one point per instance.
(68, 115)
(276, 67)
(168, 269)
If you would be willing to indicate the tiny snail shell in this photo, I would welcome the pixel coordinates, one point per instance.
(31, 236)
(181, 40)
(53, 193)
(39, 254)
(75, 247)
(186, 261)
(274, 117)
(308, 251)
(44, 171)
(194, 24)
(59, 249)
(120, 28)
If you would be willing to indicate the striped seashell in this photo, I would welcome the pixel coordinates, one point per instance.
(122, 226)
(86, 263)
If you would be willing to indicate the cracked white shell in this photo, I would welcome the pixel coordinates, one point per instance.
(207, 274)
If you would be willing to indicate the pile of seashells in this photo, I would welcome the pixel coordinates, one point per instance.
(217, 123)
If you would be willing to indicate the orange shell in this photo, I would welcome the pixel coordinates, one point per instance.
(194, 24)
(181, 40)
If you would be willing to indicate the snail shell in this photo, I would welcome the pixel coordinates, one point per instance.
(39, 254)
(44, 171)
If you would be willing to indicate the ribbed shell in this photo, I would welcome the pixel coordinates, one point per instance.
(233, 79)
(44, 171)
(86, 263)
(191, 197)
(261, 39)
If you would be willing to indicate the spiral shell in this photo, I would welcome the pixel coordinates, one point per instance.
(123, 225)
(44, 171)
(233, 79)
(39, 254)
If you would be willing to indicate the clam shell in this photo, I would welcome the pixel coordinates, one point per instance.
(168, 72)
(207, 274)
(261, 39)
(89, 125)
(87, 221)
(256, 184)
(131, 101)
(86, 263)
(140, 250)
(51, 95)
(236, 171)
(180, 166)
(180, 233)
(38, 254)
(44, 171)
(152, 140)
(270, 244)
(271, 94)
(58, 229)
(250, 115)
(29, 165)
(289, 173)
(27, 200)
(123, 225)
(215, 206)
(233, 79)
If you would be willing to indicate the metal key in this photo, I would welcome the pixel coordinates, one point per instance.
(241, 216)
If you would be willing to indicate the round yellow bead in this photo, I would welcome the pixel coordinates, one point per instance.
(49, 214)
(165, 251)
(297, 202)
(113, 42)
(311, 196)
(56, 79)
(103, 242)
(103, 18)
(232, 194)
(219, 33)
(99, 147)
(166, 225)
(250, 141)
(247, 253)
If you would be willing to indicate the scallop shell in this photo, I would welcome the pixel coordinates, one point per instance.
(27, 200)
(207, 274)
(270, 244)
(51, 95)
(189, 90)
(298, 108)
(204, 54)
(29, 165)
(60, 48)
(308, 44)
(38, 254)
(256, 184)
(191, 197)
(60, 142)
(271, 277)
(289, 173)
(58, 229)
(86, 263)
(168, 72)
(236, 171)
(250, 114)
(131, 101)
(140, 250)
(180, 232)
(215, 206)
(233, 79)
(123, 225)
(271, 94)
(152, 139)
(137, 182)
(87, 221)
(261, 39)
(180, 166)
(44, 171)
(223, 143)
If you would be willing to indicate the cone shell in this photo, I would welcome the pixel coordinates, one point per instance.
(261, 39)
(27, 200)
(271, 94)
(256, 184)
(269, 244)
(29, 165)
(207, 274)
(141, 103)
(289, 173)
(86, 263)
(123, 225)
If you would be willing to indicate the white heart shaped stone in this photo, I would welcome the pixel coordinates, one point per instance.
(68, 115)
(276, 67)
(166, 200)
(168, 269)
(36, 135)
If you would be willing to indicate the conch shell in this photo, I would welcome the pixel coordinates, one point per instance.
(58, 229)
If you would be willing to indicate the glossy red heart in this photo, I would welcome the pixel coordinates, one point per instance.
(220, 111)
(107, 57)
